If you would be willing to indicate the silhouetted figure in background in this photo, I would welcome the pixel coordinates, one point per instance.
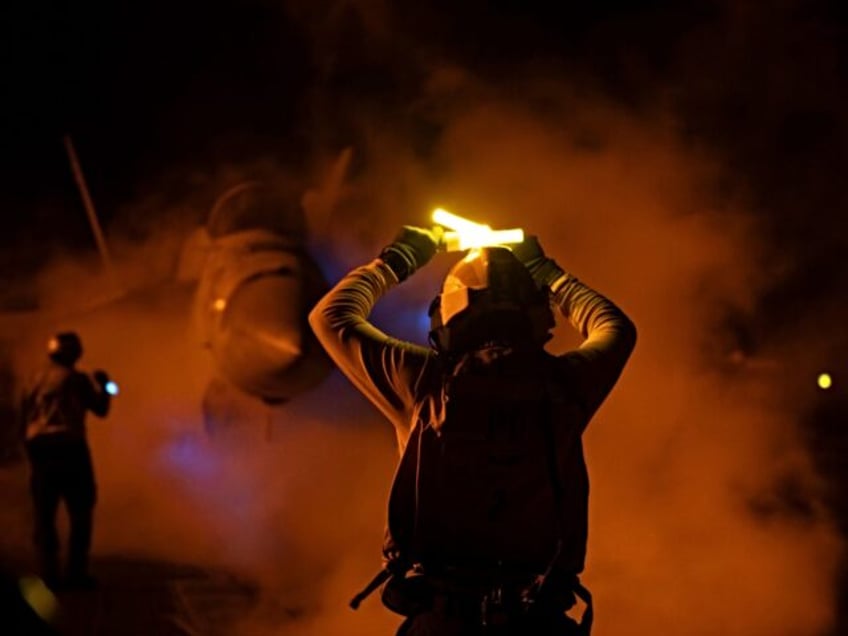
(487, 518)
(54, 410)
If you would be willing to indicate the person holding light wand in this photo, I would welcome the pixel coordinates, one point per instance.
(53, 411)
(487, 514)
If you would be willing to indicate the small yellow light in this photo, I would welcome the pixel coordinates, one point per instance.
(39, 597)
(219, 304)
(825, 381)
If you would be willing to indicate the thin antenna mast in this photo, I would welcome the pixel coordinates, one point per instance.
(92, 215)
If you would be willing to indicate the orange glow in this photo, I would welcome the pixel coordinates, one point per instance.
(619, 202)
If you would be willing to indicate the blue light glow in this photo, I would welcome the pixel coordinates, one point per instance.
(111, 388)
(192, 458)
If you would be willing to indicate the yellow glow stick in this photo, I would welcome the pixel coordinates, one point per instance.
(463, 241)
(468, 234)
(455, 222)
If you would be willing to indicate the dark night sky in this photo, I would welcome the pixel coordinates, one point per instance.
(153, 93)
(156, 92)
(148, 89)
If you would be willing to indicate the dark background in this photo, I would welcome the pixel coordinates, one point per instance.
(155, 93)
(150, 91)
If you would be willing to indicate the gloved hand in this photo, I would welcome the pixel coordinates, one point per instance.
(412, 248)
(544, 270)
(101, 377)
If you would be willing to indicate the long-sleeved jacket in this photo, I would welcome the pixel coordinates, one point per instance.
(57, 401)
(407, 383)
(395, 375)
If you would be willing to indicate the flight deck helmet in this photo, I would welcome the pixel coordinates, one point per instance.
(65, 348)
(489, 297)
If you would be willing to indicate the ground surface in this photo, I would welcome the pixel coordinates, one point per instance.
(133, 597)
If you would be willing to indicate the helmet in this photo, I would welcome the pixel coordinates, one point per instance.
(489, 297)
(65, 348)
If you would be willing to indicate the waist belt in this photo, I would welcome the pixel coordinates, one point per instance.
(502, 600)
(40, 428)
(487, 601)
(485, 597)
(57, 428)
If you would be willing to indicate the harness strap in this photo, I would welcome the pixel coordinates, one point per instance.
(556, 486)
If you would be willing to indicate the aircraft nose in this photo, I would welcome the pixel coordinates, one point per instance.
(261, 334)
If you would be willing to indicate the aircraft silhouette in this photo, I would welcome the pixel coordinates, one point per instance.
(257, 284)
(230, 326)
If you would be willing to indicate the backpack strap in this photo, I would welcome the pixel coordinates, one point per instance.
(529, 596)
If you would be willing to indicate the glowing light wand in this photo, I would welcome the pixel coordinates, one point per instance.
(468, 234)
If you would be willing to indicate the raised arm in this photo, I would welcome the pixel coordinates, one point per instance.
(609, 335)
(383, 368)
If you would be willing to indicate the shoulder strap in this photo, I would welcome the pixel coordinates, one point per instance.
(555, 480)
(528, 597)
